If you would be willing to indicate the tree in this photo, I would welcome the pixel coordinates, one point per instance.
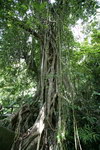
(48, 24)
(85, 68)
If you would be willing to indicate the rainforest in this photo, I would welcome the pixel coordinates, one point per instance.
(49, 75)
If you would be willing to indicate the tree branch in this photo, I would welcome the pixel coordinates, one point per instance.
(23, 25)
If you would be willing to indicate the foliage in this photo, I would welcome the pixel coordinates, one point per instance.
(16, 86)
(85, 68)
(88, 135)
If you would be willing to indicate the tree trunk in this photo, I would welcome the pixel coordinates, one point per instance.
(42, 135)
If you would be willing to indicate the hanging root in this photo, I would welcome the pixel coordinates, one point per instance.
(32, 137)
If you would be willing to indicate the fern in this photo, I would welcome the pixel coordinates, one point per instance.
(87, 134)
